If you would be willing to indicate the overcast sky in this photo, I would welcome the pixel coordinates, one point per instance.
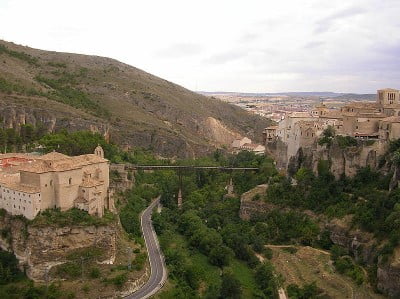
(252, 46)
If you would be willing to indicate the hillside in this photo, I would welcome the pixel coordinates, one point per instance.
(72, 91)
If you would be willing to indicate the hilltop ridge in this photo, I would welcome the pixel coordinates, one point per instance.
(134, 108)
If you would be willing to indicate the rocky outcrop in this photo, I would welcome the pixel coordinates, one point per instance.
(48, 120)
(365, 248)
(250, 205)
(342, 160)
(38, 249)
(388, 275)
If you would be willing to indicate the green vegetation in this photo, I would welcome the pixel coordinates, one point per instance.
(327, 136)
(65, 90)
(9, 271)
(19, 55)
(137, 200)
(345, 265)
(308, 291)
(74, 216)
(346, 141)
(10, 87)
(207, 247)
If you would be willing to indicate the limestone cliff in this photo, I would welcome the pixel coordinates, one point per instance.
(342, 160)
(14, 115)
(39, 248)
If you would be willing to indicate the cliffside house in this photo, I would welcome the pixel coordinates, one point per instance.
(31, 183)
(362, 120)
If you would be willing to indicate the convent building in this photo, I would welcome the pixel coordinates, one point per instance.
(32, 183)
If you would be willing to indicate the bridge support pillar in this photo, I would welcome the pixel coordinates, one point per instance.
(229, 188)
(179, 198)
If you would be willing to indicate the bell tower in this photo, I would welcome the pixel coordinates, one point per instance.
(98, 151)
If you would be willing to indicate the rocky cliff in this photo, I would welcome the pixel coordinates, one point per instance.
(39, 248)
(342, 160)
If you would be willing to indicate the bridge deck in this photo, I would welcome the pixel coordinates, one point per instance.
(185, 167)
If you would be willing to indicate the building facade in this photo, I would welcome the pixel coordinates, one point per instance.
(30, 184)
(362, 120)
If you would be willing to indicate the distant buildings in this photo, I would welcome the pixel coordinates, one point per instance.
(363, 120)
(30, 183)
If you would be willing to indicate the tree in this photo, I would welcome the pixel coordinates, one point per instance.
(266, 280)
(230, 287)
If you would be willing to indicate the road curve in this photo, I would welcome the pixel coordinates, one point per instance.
(157, 266)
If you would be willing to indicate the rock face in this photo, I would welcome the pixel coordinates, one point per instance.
(250, 207)
(38, 249)
(12, 116)
(341, 160)
(389, 275)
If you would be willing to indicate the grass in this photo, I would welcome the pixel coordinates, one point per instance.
(244, 274)
(54, 217)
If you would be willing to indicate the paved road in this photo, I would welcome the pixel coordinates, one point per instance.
(158, 270)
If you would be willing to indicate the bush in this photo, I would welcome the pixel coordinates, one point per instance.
(119, 280)
(346, 141)
(94, 273)
(72, 216)
(69, 270)
(9, 271)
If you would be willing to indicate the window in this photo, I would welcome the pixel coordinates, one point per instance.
(51, 182)
(70, 181)
(45, 185)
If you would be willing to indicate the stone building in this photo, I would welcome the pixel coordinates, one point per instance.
(30, 183)
(378, 121)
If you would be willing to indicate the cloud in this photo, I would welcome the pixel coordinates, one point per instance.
(179, 50)
(326, 23)
(313, 44)
(248, 37)
(225, 57)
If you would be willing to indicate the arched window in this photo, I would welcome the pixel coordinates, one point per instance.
(51, 182)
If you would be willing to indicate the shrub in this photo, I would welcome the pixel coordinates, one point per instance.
(346, 141)
(94, 273)
(69, 270)
(119, 280)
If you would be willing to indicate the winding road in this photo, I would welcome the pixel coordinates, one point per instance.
(158, 274)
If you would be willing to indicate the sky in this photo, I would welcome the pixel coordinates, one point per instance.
(221, 45)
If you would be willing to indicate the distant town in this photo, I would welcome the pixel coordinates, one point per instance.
(277, 106)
